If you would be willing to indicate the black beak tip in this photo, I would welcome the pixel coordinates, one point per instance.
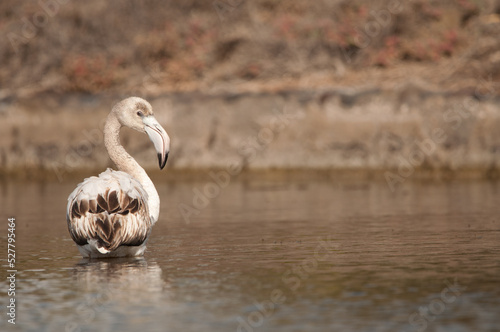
(161, 162)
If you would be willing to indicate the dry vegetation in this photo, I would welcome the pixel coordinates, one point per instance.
(154, 46)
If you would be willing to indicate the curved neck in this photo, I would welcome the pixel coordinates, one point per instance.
(125, 163)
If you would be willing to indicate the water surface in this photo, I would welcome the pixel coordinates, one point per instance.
(283, 255)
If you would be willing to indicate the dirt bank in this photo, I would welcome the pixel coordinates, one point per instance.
(386, 85)
(154, 47)
(399, 131)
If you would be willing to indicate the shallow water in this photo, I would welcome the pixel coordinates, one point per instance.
(267, 256)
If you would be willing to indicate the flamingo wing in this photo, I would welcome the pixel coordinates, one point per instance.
(109, 211)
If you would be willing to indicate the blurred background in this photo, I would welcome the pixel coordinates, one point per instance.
(331, 85)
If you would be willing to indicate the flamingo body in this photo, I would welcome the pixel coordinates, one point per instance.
(111, 215)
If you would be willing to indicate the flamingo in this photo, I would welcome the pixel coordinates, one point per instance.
(111, 215)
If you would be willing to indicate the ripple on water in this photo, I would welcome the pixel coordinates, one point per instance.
(387, 255)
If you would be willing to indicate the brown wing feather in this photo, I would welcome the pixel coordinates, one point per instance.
(113, 201)
(93, 206)
(84, 207)
(124, 200)
(102, 202)
(112, 218)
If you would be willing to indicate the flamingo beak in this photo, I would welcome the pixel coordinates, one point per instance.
(159, 137)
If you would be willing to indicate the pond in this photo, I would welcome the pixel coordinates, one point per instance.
(265, 254)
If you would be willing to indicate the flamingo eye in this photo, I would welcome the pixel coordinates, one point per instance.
(139, 113)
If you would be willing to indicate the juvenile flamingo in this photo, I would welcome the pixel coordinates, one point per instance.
(112, 215)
